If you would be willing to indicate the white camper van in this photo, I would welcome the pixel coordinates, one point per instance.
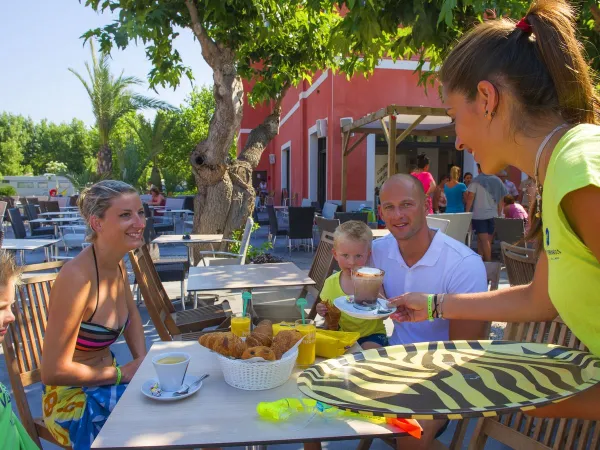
(39, 185)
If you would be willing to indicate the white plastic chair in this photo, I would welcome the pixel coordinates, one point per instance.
(458, 228)
(440, 224)
(306, 202)
(229, 258)
(329, 210)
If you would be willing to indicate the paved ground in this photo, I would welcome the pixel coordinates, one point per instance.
(301, 258)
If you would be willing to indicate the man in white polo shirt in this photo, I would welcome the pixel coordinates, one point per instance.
(416, 258)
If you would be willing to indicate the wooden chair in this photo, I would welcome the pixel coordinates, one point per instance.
(171, 324)
(520, 263)
(277, 307)
(23, 348)
(520, 431)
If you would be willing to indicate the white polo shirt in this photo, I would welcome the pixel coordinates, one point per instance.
(447, 267)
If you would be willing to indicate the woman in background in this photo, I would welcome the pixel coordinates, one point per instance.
(455, 192)
(422, 174)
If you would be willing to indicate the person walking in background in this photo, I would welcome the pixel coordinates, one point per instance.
(467, 178)
(485, 195)
(440, 202)
(422, 174)
(510, 186)
(456, 192)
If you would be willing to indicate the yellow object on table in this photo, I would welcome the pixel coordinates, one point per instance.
(330, 344)
(306, 350)
(240, 325)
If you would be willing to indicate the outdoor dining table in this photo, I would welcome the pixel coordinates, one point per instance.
(58, 214)
(194, 239)
(218, 415)
(245, 277)
(22, 245)
(56, 221)
(69, 207)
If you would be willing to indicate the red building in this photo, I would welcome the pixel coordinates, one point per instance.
(305, 157)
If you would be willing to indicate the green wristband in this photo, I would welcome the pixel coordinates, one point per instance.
(430, 307)
(119, 375)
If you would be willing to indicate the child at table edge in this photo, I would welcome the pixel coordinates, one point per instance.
(352, 249)
(13, 435)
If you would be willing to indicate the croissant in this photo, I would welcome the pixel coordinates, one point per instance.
(285, 340)
(226, 344)
(332, 318)
(263, 352)
(262, 335)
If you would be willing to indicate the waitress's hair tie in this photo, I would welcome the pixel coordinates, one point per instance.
(524, 25)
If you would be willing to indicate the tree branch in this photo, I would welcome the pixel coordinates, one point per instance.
(210, 51)
(279, 99)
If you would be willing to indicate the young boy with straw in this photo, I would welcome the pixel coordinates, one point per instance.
(351, 249)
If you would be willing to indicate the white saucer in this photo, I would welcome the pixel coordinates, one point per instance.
(346, 305)
(166, 396)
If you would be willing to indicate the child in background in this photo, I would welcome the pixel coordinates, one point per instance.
(12, 434)
(514, 210)
(351, 249)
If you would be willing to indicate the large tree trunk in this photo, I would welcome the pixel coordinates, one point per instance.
(225, 195)
(104, 166)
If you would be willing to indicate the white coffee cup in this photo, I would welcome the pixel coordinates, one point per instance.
(171, 369)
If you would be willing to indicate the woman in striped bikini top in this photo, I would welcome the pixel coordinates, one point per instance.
(92, 336)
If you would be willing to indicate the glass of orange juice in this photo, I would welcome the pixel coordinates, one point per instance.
(306, 351)
(240, 324)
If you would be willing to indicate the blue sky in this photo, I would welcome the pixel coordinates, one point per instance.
(40, 40)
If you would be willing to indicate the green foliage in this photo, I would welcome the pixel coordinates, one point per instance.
(188, 126)
(112, 98)
(7, 190)
(15, 136)
(57, 168)
(253, 252)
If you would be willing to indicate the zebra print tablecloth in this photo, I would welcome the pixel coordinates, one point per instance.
(434, 380)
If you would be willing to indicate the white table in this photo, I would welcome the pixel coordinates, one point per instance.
(194, 239)
(69, 207)
(63, 213)
(217, 415)
(22, 245)
(248, 276)
(57, 220)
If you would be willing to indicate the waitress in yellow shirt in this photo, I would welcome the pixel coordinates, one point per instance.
(522, 94)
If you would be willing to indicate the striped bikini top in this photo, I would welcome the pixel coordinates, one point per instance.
(93, 337)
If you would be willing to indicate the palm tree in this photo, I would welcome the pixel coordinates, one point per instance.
(111, 99)
(151, 136)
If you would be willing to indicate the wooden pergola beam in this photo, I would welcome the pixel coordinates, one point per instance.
(391, 145)
(345, 139)
(391, 110)
(409, 129)
(356, 143)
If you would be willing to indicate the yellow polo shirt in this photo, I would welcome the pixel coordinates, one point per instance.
(574, 271)
(332, 289)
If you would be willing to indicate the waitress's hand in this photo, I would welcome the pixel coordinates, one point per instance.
(411, 307)
(129, 370)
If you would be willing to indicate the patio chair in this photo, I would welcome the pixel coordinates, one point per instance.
(52, 206)
(219, 258)
(510, 230)
(458, 228)
(3, 206)
(19, 227)
(347, 216)
(169, 269)
(161, 224)
(73, 200)
(520, 431)
(520, 263)
(328, 225)
(440, 224)
(329, 210)
(301, 225)
(1, 237)
(306, 202)
(23, 348)
(33, 201)
(62, 202)
(274, 230)
(170, 324)
(35, 228)
(73, 236)
(281, 304)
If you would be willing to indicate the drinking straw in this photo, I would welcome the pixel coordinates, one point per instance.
(246, 297)
(301, 303)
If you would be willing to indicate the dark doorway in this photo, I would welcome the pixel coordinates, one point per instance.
(257, 177)
(322, 171)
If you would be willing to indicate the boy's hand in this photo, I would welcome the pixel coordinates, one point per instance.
(322, 309)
